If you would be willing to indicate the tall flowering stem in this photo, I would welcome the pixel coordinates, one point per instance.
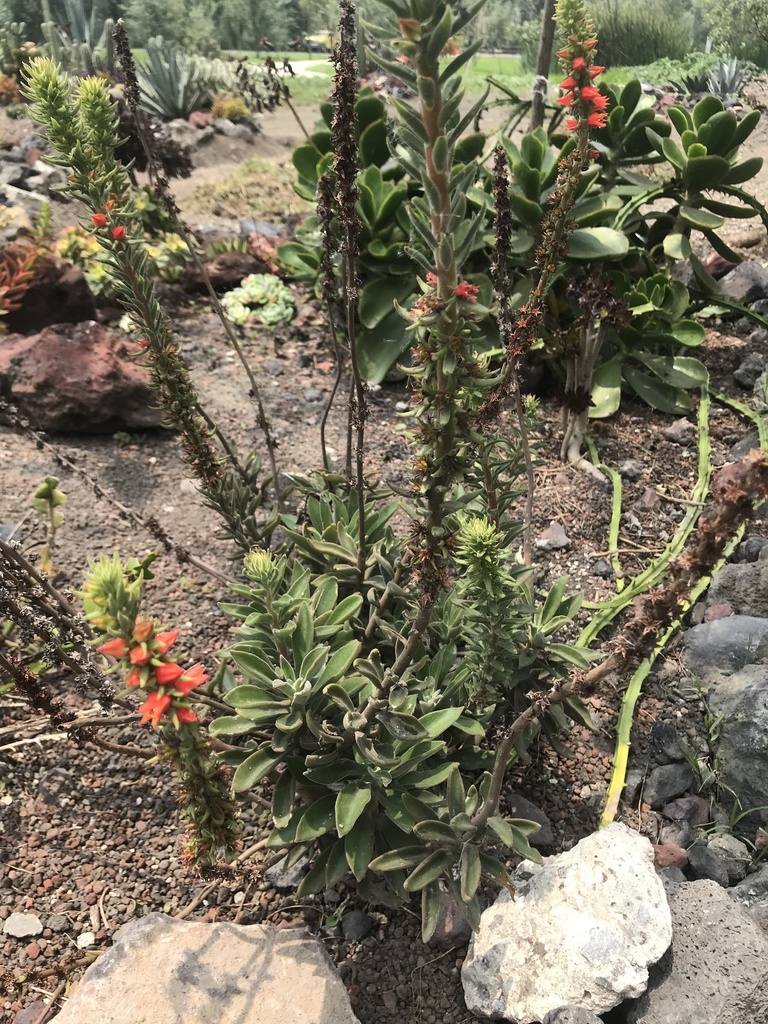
(81, 126)
(347, 194)
(446, 371)
(112, 597)
(587, 111)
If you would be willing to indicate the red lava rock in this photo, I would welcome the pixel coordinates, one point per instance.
(670, 856)
(32, 950)
(59, 294)
(226, 270)
(200, 118)
(718, 611)
(76, 378)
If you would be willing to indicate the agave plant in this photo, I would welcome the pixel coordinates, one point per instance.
(728, 77)
(171, 84)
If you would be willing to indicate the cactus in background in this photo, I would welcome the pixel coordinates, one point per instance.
(73, 43)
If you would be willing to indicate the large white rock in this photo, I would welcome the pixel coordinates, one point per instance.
(581, 931)
(163, 971)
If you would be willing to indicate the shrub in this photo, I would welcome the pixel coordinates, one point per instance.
(9, 91)
(229, 108)
(632, 33)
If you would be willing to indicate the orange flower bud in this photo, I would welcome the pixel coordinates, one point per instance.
(118, 233)
(410, 28)
(116, 648)
(99, 220)
(185, 715)
(143, 630)
(140, 654)
(164, 641)
(168, 673)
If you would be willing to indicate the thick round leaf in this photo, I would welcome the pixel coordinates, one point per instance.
(373, 144)
(687, 332)
(350, 804)
(677, 247)
(677, 371)
(606, 389)
(597, 244)
(378, 350)
(254, 768)
(657, 394)
(705, 172)
(430, 911)
(378, 297)
(700, 218)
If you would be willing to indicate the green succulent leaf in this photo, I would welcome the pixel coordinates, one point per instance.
(254, 768)
(350, 804)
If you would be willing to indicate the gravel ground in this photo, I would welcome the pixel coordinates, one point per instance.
(89, 839)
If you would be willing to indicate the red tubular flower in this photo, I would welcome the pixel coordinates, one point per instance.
(164, 641)
(185, 715)
(595, 70)
(118, 233)
(140, 654)
(567, 100)
(168, 673)
(431, 278)
(99, 220)
(600, 102)
(193, 677)
(134, 679)
(568, 83)
(589, 92)
(597, 120)
(154, 707)
(117, 648)
(572, 123)
(468, 292)
(578, 64)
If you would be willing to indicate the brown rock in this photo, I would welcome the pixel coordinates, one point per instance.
(200, 119)
(59, 295)
(718, 611)
(76, 377)
(669, 856)
(226, 270)
(161, 970)
(32, 950)
(717, 265)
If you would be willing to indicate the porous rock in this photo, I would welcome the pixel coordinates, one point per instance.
(571, 1015)
(706, 863)
(209, 974)
(582, 930)
(666, 782)
(724, 645)
(715, 971)
(78, 378)
(746, 283)
(734, 854)
(742, 585)
(742, 700)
